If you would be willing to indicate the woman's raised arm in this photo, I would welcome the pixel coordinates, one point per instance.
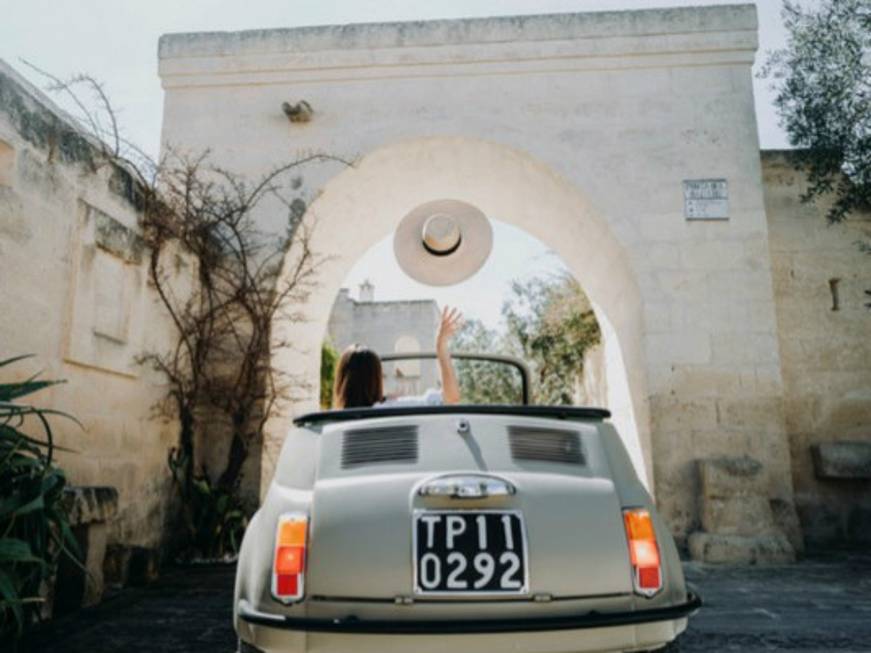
(450, 322)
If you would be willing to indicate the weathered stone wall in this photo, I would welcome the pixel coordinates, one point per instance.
(593, 390)
(578, 128)
(389, 327)
(73, 292)
(821, 284)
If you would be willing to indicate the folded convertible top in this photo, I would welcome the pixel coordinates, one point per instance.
(555, 412)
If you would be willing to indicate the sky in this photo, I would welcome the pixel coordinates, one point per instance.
(481, 296)
(115, 41)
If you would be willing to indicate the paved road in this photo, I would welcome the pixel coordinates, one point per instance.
(823, 604)
(819, 605)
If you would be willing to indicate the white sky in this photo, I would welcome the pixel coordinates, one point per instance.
(116, 42)
(515, 255)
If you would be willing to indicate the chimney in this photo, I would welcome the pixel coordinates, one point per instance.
(367, 291)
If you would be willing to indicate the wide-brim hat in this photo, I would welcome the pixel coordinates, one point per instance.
(443, 242)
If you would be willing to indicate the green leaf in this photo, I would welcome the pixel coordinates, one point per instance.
(13, 505)
(15, 550)
(10, 595)
(69, 542)
(15, 359)
(221, 505)
(9, 391)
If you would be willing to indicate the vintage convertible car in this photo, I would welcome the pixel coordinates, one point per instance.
(462, 528)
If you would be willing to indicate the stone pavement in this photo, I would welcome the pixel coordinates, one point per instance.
(819, 605)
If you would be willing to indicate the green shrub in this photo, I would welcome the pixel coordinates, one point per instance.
(34, 530)
(329, 358)
(214, 519)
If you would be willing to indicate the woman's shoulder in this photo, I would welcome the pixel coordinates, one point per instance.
(432, 397)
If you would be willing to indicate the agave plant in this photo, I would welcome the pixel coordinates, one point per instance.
(34, 529)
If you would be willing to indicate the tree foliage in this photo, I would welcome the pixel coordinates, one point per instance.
(823, 83)
(550, 325)
(484, 382)
(553, 324)
(329, 358)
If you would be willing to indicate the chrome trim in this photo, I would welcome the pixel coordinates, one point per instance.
(589, 619)
(320, 598)
(466, 486)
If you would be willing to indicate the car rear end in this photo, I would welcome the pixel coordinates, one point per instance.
(475, 531)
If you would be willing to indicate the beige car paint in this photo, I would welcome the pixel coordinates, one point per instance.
(359, 559)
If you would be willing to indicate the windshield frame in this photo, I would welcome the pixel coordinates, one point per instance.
(516, 363)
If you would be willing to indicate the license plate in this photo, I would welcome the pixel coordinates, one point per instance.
(469, 552)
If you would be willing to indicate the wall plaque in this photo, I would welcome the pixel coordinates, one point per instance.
(706, 199)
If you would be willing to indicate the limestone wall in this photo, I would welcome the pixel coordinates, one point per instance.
(390, 327)
(580, 129)
(593, 390)
(821, 284)
(73, 292)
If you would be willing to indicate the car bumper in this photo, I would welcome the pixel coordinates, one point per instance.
(590, 631)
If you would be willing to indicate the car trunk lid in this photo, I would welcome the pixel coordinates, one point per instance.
(368, 488)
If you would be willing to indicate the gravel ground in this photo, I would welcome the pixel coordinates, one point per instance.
(820, 604)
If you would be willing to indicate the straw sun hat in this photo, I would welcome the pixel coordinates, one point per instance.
(443, 242)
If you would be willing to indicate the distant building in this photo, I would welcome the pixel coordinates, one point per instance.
(389, 327)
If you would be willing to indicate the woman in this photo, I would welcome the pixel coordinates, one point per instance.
(359, 381)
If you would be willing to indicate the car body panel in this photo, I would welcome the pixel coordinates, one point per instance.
(360, 556)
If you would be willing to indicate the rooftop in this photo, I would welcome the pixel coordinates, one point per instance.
(503, 29)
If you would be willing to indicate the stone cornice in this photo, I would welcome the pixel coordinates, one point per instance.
(481, 46)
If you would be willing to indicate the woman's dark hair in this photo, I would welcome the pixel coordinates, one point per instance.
(359, 382)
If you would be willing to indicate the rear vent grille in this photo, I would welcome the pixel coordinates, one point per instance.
(389, 444)
(545, 445)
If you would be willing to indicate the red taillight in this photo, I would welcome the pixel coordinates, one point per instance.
(643, 551)
(288, 567)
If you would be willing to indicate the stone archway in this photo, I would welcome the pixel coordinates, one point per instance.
(612, 117)
(363, 204)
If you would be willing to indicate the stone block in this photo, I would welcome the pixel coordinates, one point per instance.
(89, 510)
(786, 520)
(86, 505)
(842, 460)
(724, 478)
(715, 548)
(738, 515)
(97, 535)
(740, 524)
(757, 414)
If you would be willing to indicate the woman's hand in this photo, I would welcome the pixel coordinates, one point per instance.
(450, 323)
